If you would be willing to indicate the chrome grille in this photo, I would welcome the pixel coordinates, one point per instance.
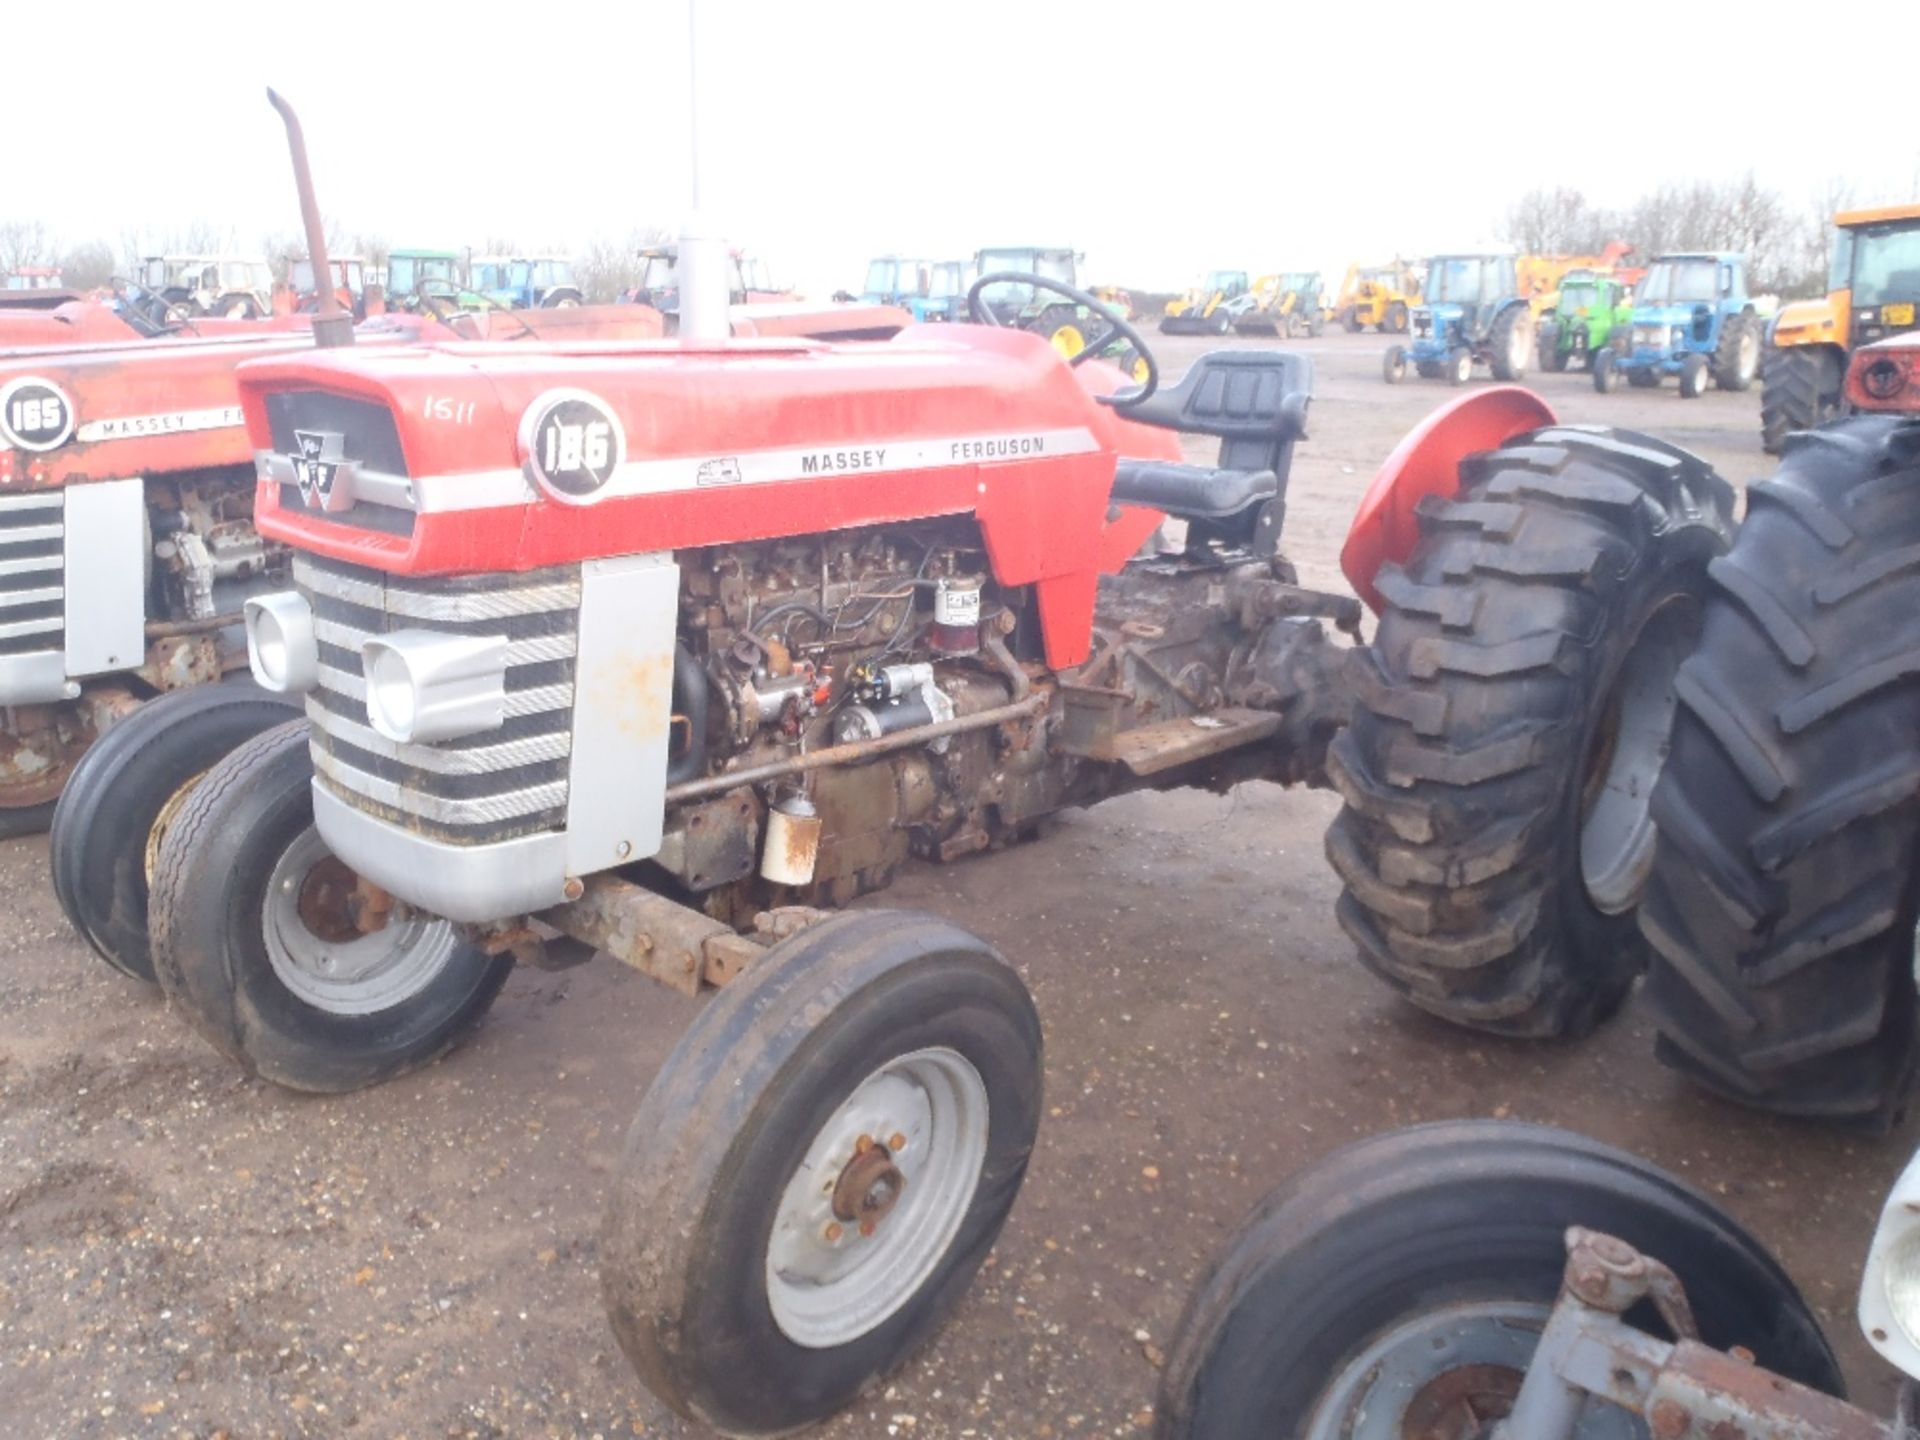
(477, 789)
(32, 573)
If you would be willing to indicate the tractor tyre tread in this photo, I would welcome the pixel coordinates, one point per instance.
(1793, 392)
(1784, 893)
(1472, 714)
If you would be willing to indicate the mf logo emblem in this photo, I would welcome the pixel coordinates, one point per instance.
(317, 458)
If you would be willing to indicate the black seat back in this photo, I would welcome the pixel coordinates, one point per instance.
(1254, 400)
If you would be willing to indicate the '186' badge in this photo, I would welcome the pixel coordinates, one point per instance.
(571, 444)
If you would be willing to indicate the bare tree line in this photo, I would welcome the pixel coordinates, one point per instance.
(1787, 243)
(603, 267)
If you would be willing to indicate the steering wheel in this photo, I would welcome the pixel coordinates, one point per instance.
(981, 313)
(149, 311)
(445, 308)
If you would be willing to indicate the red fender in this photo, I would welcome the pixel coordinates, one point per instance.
(1427, 462)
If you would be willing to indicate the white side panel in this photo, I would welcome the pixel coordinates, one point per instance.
(106, 577)
(622, 711)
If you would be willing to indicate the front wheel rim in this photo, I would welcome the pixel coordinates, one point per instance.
(1451, 1373)
(1625, 760)
(874, 1206)
(337, 972)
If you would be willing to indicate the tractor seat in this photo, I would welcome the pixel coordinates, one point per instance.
(1257, 395)
(1192, 492)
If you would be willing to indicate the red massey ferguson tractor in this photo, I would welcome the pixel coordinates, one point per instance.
(659, 650)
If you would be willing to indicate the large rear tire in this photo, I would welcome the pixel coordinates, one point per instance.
(1736, 359)
(1800, 389)
(124, 793)
(1510, 721)
(1401, 1283)
(1510, 343)
(1785, 892)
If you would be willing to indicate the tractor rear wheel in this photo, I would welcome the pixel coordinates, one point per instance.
(1784, 896)
(1552, 357)
(1736, 359)
(1350, 317)
(1396, 321)
(1510, 343)
(1294, 326)
(1064, 330)
(1800, 388)
(1510, 720)
(1398, 1287)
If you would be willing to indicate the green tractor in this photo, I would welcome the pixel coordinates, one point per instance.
(1066, 327)
(1590, 310)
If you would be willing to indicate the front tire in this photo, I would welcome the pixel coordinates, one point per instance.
(745, 1274)
(275, 955)
(1693, 377)
(1396, 319)
(1786, 888)
(1414, 1269)
(122, 797)
(1510, 721)
(1393, 365)
(1350, 317)
(1799, 390)
(1460, 367)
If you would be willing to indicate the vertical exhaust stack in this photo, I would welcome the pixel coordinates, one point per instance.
(333, 326)
(706, 287)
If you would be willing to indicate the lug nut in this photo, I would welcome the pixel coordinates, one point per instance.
(896, 1142)
(834, 1232)
(1670, 1420)
(866, 1229)
(863, 1144)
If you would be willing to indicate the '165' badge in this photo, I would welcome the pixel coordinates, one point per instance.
(35, 414)
(571, 443)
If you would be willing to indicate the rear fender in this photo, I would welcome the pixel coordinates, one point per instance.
(1427, 462)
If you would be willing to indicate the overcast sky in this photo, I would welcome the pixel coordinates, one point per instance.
(1161, 139)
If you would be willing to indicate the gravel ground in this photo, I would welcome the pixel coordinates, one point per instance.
(187, 1252)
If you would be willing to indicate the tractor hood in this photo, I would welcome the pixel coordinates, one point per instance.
(497, 458)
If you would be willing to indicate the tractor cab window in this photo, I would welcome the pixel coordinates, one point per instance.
(550, 274)
(1679, 282)
(1886, 264)
(489, 275)
(520, 275)
(1296, 280)
(1579, 297)
(1456, 278)
(754, 274)
(301, 276)
(1055, 265)
(1226, 280)
(880, 277)
(153, 274)
(659, 273)
(947, 279)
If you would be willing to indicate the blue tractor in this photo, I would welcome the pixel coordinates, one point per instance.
(542, 282)
(927, 289)
(1692, 317)
(1472, 312)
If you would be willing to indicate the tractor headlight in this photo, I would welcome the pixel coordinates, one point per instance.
(281, 646)
(423, 686)
(1890, 1289)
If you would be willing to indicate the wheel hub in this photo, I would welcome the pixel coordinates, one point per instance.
(873, 1206)
(869, 1187)
(1461, 1404)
